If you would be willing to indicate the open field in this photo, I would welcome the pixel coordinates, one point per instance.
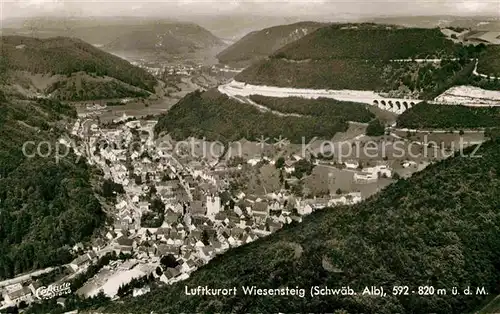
(154, 106)
(131, 109)
(447, 139)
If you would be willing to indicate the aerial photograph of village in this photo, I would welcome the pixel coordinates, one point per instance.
(250, 157)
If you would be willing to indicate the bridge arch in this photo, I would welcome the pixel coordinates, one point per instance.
(375, 102)
(390, 104)
(383, 103)
(412, 104)
(398, 104)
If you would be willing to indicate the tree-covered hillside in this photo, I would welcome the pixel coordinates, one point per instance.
(321, 107)
(439, 228)
(217, 117)
(81, 86)
(489, 62)
(317, 74)
(62, 55)
(431, 116)
(44, 204)
(369, 41)
(372, 57)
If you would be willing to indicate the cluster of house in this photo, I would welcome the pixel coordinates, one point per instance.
(181, 69)
(15, 294)
(201, 219)
(83, 261)
(368, 175)
(171, 69)
(225, 68)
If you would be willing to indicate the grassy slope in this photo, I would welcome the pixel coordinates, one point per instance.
(438, 228)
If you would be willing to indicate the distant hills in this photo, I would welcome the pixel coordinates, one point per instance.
(173, 38)
(70, 69)
(258, 45)
(123, 34)
(488, 23)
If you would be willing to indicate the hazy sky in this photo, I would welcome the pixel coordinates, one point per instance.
(171, 8)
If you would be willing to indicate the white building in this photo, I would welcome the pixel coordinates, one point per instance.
(347, 199)
(351, 164)
(213, 205)
(372, 174)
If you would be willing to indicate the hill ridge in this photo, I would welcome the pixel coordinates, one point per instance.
(66, 56)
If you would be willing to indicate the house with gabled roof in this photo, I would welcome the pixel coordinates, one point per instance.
(162, 234)
(206, 253)
(273, 226)
(98, 245)
(164, 249)
(169, 275)
(22, 295)
(80, 262)
(124, 245)
(197, 208)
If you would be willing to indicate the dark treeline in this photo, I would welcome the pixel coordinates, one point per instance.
(79, 88)
(45, 205)
(321, 107)
(425, 115)
(489, 63)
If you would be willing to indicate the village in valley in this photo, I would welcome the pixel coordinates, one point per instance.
(171, 206)
(174, 206)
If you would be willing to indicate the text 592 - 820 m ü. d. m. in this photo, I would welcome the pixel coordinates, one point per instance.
(52, 291)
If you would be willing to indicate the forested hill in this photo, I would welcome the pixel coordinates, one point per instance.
(70, 56)
(44, 205)
(431, 116)
(369, 41)
(370, 57)
(258, 45)
(215, 116)
(439, 228)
